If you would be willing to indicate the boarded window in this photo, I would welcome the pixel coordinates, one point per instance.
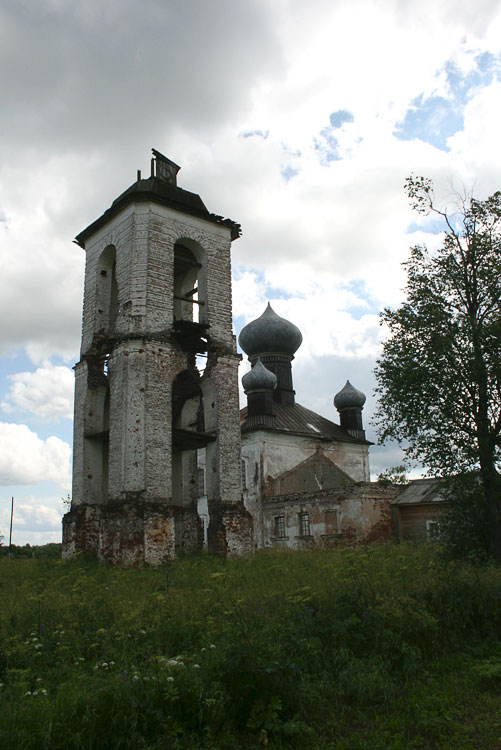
(330, 520)
(304, 524)
(279, 526)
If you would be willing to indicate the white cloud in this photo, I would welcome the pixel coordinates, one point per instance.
(35, 521)
(47, 393)
(27, 459)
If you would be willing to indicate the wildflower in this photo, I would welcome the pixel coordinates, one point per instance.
(43, 691)
(170, 679)
(143, 632)
(135, 678)
(34, 639)
(39, 679)
(213, 645)
(28, 692)
(172, 662)
(203, 649)
(196, 666)
(112, 663)
(35, 692)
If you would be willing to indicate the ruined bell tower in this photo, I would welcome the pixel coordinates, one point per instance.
(156, 383)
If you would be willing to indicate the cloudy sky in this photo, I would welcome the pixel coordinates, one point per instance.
(298, 120)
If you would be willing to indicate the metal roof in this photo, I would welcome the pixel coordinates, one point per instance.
(420, 491)
(298, 420)
(159, 191)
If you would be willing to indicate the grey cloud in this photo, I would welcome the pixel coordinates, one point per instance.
(81, 74)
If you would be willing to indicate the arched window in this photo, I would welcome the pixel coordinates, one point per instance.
(186, 284)
(106, 292)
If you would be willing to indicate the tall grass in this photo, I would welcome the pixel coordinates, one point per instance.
(378, 647)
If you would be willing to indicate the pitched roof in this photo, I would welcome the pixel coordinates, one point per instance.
(298, 420)
(159, 191)
(420, 491)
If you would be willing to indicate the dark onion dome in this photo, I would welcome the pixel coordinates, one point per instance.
(259, 379)
(270, 333)
(349, 397)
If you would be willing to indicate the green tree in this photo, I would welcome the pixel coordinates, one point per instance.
(439, 375)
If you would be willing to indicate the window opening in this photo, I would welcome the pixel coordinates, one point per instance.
(186, 296)
(279, 526)
(304, 524)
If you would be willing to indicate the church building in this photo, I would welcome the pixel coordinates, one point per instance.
(163, 462)
(305, 479)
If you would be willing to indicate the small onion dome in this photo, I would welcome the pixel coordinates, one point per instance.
(349, 397)
(270, 333)
(259, 379)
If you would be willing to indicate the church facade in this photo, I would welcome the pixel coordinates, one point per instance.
(305, 479)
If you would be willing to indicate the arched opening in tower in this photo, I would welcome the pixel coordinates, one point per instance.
(186, 288)
(189, 441)
(106, 292)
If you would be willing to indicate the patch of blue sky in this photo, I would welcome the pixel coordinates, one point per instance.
(327, 144)
(436, 118)
(429, 226)
(44, 427)
(255, 134)
(340, 117)
(432, 120)
(288, 172)
(368, 304)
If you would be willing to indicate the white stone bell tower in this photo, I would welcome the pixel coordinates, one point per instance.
(157, 304)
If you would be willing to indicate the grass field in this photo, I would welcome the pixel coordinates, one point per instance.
(378, 647)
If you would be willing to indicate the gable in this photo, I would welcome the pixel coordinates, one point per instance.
(314, 474)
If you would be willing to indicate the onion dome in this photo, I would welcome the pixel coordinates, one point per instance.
(259, 379)
(349, 398)
(270, 333)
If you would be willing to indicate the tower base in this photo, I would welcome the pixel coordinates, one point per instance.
(134, 533)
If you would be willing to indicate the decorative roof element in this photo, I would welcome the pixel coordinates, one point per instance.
(270, 333)
(349, 397)
(259, 379)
